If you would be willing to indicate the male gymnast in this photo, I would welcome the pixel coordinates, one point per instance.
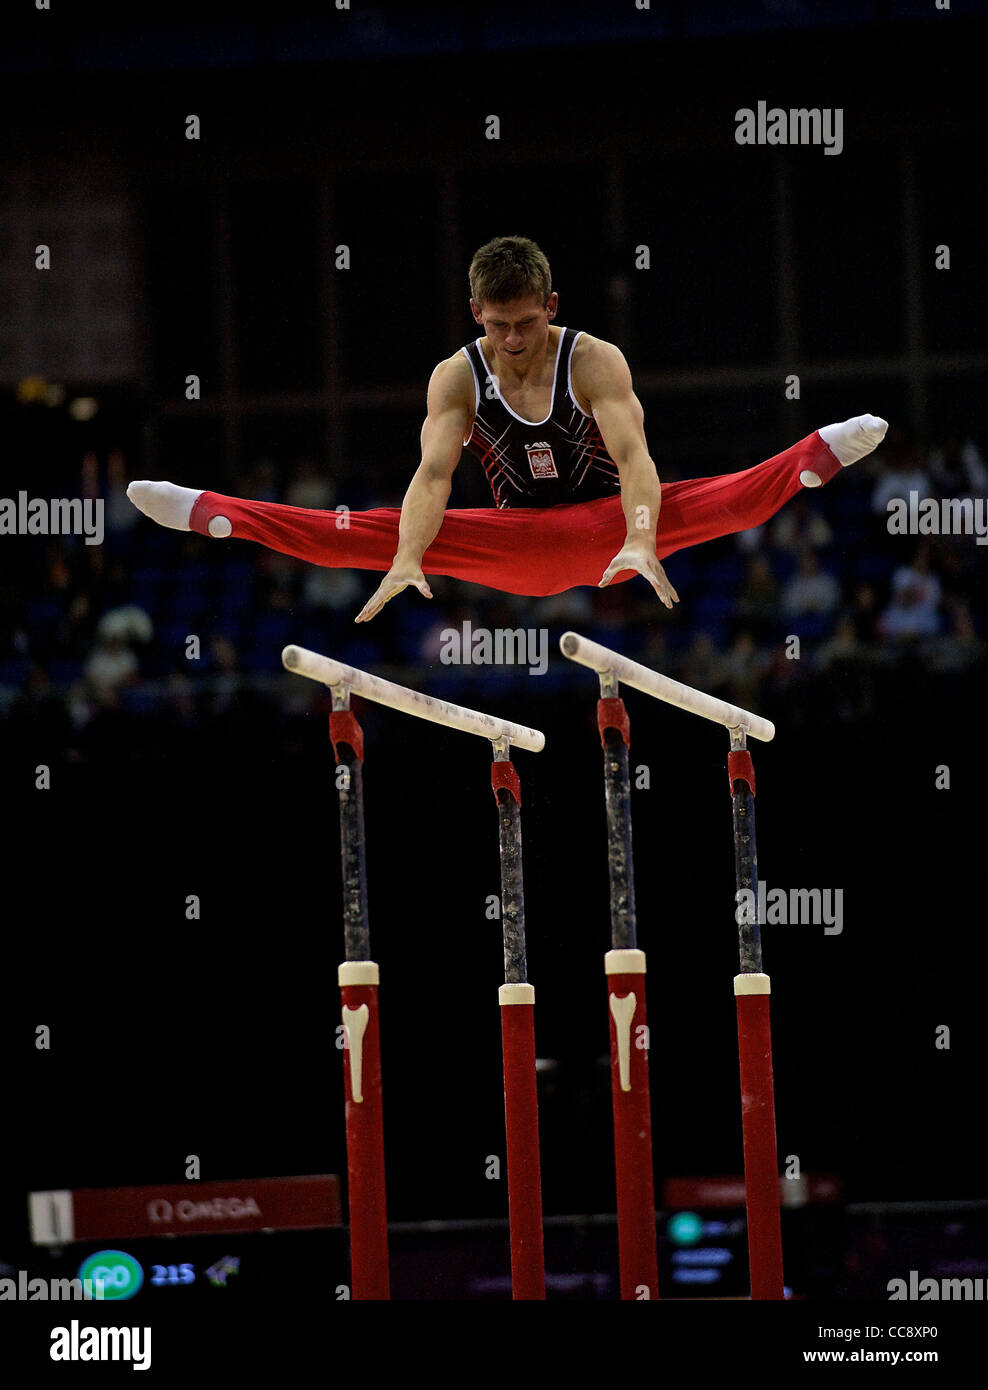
(552, 416)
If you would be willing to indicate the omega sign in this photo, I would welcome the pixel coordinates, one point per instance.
(216, 1209)
(234, 1204)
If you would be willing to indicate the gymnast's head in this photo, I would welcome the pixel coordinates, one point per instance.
(511, 296)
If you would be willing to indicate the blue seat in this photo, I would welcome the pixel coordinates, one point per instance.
(148, 575)
(237, 574)
(156, 543)
(184, 603)
(139, 699)
(170, 635)
(875, 569)
(194, 576)
(783, 566)
(228, 625)
(14, 670)
(43, 610)
(273, 627)
(681, 569)
(365, 654)
(716, 631)
(63, 672)
(712, 608)
(265, 637)
(143, 596)
(233, 598)
(727, 573)
(812, 627)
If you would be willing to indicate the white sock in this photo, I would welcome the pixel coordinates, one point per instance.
(853, 439)
(850, 440)
(171, 505)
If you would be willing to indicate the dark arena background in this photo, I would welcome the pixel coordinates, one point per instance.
(171, 830)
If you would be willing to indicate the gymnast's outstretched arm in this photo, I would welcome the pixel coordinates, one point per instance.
(601, 375)
(448, 422)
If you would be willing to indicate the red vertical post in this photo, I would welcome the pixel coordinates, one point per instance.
(364, 1130)
(521, 1122)
(761, 1166)
(752, 988)
(632, 1124)
(358, 979)
(517, 1000)
(625, 968)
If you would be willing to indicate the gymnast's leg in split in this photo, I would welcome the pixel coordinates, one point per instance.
(519, 550)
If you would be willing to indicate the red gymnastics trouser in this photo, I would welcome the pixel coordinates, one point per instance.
(527, 550)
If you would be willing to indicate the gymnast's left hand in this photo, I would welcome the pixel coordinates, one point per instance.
(641, 557)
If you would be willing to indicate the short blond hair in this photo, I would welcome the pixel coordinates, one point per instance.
(507, 268)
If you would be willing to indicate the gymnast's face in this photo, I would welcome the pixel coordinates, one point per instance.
(518, 330)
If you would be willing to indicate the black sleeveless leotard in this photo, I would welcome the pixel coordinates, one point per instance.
(561, 459)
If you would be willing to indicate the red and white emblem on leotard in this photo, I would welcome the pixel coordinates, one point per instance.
(540, 460)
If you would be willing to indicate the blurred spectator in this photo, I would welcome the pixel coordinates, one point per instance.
(957, 650)
(111, 664)
(612, 605)
(121, 514)
(758, 597)
(811, 590)
(436, 640)
(703, 665)
(59, 574)
(278, 576)
(845, 646)
(573, 606)
(864, 611)
(37, 709)
(783, 676)
(957, 468)
(914, 609)
(225, 683)
(656, 651)
(181, 699)
(332, 589)
(901, 472)
(800, 526)
(260, 482)
(128, 623)
(848, 662)
(310, 487)
(74, 632)
(751, 540)
(743, 667)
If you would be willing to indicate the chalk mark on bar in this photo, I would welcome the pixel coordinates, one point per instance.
(602, 659)
(303, 662)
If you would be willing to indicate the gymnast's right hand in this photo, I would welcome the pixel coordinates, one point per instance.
(398, 577)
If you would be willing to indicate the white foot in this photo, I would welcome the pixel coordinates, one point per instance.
(171, 505)
(853, 439)
(165, 503)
